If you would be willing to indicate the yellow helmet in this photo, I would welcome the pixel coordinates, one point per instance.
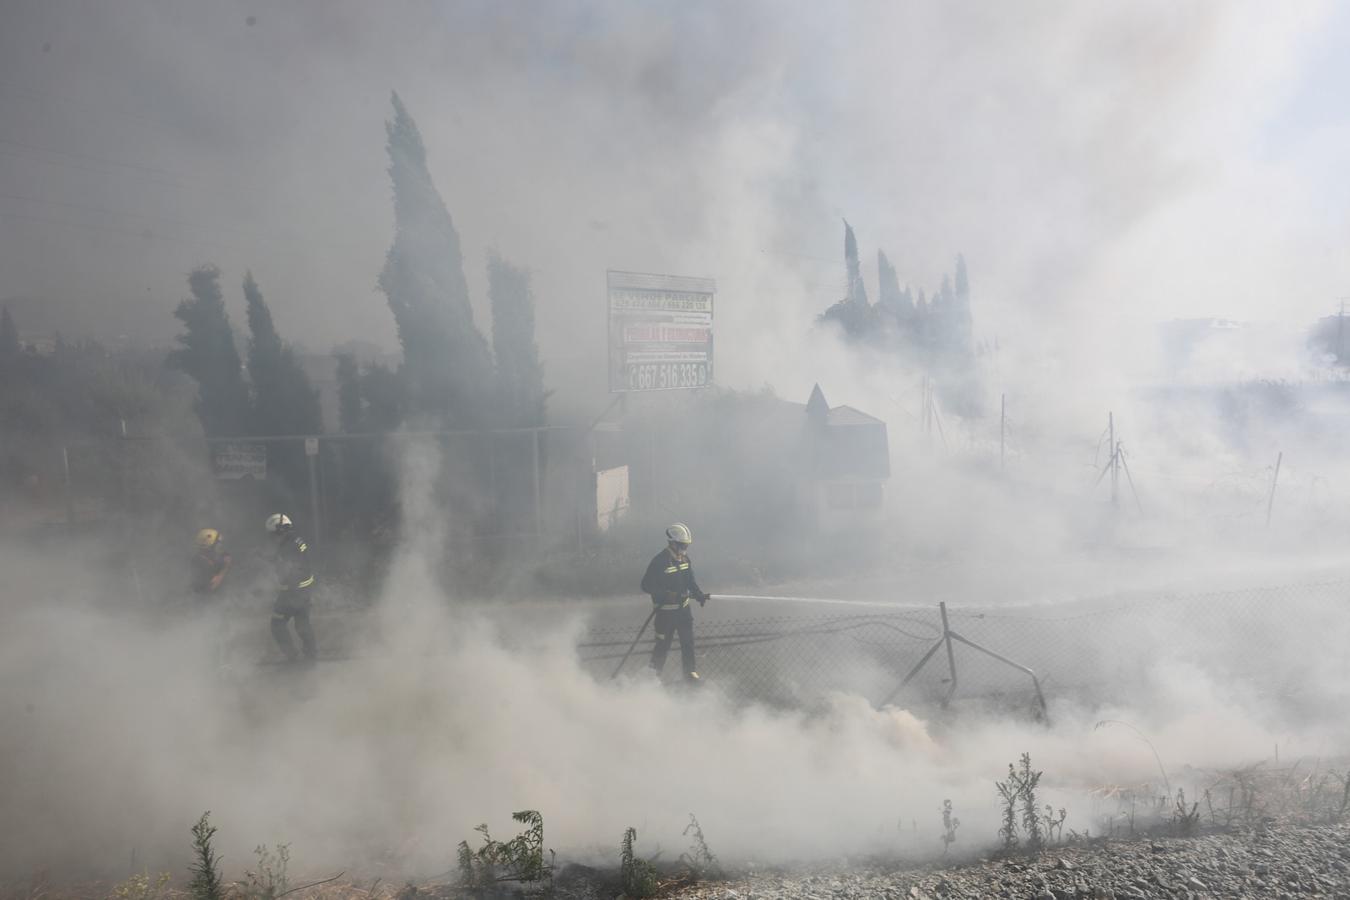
(207, 537)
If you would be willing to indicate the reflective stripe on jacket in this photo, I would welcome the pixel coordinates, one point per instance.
(670, 581)
(292, 561)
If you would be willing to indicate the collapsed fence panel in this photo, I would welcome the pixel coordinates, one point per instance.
(1285, 644)
(786, 660)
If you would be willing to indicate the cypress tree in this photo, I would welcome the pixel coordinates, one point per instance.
(962, 321)
(857, 292)
(284, 401)
(9, 334)
(447, 366)
(895, 302)
(854, 314)
(349, 393)
(383, 391)
(207, 353)
(520, 377)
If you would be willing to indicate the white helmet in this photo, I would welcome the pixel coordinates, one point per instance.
(278, 522)
(679, 533)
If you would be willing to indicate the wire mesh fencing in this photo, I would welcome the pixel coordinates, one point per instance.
(1285, 643)
(782, 660)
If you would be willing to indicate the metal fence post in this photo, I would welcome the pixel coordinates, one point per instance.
(312, 444)
(951, 657)
(538, 489)
(66, 487)
(1274, 482)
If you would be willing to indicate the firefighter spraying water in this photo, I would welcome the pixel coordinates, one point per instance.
(670, 582)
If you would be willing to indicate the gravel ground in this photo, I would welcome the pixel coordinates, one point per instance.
(1272, 862)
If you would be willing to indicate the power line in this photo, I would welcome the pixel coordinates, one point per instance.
(71, 165)
(147, 174)
(43, 97)
(237, 232)
(143, 235)
(102, 210)
(95, 159)
(820, 259)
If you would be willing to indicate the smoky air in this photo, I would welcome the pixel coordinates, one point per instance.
(753, 425)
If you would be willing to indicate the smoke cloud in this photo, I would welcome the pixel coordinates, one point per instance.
(1102, 169)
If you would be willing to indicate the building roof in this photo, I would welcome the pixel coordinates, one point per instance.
(847, 444)
(843, 416)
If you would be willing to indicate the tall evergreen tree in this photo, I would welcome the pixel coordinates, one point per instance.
(365, 476)
(384, 392)
(940, 313)
(349, 394)
(854, 314)
(520, 377)
(207, 353)
(284, 401)
(9, 334)
(857, 292)
(895, 303)
(962, 321)
(888, 283)
(446, 362)
(923, 323)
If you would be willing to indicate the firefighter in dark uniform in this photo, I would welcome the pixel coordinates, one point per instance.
(209, 563)
(295, 581)
(670, 582)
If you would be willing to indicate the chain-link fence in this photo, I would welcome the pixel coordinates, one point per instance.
(785, 660)
(495, 485)
(1285, 643)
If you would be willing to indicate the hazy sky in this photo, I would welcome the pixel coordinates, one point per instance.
(1095, 163)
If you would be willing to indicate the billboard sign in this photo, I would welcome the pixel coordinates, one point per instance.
(236, 460)
(660, 332)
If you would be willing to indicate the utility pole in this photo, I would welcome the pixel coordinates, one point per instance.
(1115, 457)
(1270, 504)
(1340, 334)
(67, 488)
(926, 419)
(1002, 427)
(311, 463)
(932, 416)
(1114, 464)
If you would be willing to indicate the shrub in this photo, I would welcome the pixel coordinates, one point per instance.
(1184, 821)
(269, 881)
(636, 875)
(949, 825)
(143, 887)
(700, 860)
(1019, 803)
(206, 883)
(520, 859)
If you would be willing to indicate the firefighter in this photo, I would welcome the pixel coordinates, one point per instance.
(209, 563)
(295, 581)
(670, 582)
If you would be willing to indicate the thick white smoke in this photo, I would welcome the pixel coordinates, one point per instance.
(123, 728)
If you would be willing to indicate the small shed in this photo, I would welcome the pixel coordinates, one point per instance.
(849, 464)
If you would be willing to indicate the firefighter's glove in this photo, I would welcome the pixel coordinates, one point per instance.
(704, 598)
